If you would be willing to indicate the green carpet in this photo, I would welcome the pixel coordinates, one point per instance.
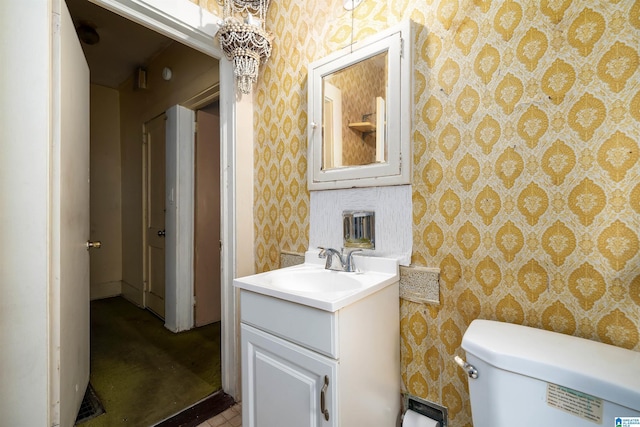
(142, 372)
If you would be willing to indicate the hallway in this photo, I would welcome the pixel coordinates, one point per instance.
(142, 372)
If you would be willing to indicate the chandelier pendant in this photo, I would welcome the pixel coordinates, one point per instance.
(244, 40)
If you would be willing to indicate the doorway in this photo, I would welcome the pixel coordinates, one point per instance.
(130, 286)
(185, 21)
(30, 248)
(181, 213)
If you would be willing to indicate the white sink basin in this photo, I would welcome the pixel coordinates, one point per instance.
(313, 280)
(311, 284)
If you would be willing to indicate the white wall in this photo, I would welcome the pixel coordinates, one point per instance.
(393, 218)
(245, 263)
(106, 194)
(25, 28)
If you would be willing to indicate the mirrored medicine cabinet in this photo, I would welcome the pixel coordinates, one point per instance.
(360, 113)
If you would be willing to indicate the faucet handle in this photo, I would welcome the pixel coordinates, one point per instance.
(328, 254)
(350, 266)
(324, 252)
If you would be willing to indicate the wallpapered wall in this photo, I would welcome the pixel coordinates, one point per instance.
(526, 186)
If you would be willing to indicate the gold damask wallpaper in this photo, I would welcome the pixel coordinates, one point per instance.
(526, 186)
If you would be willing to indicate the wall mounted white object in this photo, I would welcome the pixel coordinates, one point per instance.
(395, 167)
(351, 4)
(394, 218)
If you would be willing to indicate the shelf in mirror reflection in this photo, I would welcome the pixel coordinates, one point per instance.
(364, 127)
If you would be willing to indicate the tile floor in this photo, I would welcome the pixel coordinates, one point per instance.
(232, 417)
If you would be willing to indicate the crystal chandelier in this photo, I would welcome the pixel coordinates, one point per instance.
(244, 40)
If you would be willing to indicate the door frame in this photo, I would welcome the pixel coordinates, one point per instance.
(192, 26)
(180, 219)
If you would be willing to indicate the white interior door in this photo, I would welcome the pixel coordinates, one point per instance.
(207, 239)
(71, 216)
(179, 202)
(155, 214)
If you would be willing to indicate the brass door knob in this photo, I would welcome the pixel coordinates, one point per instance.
(97, 244)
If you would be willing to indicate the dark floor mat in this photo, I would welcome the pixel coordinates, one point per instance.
(196, 415)
(90, 407)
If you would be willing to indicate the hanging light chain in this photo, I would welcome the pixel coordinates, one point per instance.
(258, 7)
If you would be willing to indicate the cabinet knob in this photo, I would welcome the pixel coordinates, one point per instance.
(323, 393)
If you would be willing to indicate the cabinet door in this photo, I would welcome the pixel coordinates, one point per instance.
(285, 385)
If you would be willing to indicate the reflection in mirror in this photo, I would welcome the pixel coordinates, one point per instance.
(360, 113)
(354, 114)
(332, 127)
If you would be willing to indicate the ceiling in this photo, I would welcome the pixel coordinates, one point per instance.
(123, 45)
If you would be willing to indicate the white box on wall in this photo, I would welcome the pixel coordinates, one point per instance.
(393, 209)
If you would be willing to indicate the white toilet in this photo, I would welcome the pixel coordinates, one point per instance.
(534, 378)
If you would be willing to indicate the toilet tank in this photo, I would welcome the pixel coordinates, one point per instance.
(531, 378)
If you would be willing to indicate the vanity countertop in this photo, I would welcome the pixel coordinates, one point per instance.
(312, 285)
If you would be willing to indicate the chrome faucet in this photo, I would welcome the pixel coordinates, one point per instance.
(345, 257)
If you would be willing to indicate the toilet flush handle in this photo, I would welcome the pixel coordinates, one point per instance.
(469, 369)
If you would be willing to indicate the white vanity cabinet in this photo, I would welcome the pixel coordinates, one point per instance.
(303, 366)
(287, 384)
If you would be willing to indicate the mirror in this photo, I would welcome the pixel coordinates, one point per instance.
(354, 117)
(360, 114)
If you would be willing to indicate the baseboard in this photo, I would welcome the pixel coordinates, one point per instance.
(132, 294)
(105, 290)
